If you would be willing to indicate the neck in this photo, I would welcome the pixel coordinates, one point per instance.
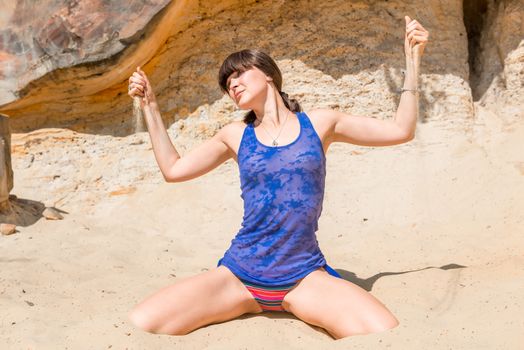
(273, 112)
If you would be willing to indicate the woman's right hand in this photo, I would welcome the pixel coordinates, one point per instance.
(139, 86)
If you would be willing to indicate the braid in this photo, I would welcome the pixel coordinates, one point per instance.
(290, 103)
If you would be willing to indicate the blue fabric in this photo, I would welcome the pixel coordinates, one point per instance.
(283, 190)
(331, 271)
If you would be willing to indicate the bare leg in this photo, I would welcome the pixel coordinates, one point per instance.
(340, 307)
(210, 297)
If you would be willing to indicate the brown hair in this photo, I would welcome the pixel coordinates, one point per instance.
(241, 61)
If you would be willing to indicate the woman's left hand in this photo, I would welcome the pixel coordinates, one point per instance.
(416, 37)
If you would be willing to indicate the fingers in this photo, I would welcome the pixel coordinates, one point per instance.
(415, 32)
(417, 36)
(412, 23)
(135, 87)
(133, 80)
(134, 92)
(146, 83)
(418, 27)
(137, 84)
(143, 75)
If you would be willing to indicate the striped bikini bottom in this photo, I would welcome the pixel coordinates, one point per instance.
(269, 298)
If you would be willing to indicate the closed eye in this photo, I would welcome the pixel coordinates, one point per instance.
(238, 74)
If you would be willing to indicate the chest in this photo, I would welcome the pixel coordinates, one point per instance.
(287, 136)
(262, 164)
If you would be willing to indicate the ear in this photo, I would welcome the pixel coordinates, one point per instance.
(269, 78)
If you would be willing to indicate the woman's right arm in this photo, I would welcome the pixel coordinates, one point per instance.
(175, 168)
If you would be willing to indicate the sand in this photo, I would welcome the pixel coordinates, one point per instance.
(434, 228)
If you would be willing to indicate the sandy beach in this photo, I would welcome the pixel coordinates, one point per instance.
(433, 228)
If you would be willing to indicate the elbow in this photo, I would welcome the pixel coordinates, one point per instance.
(168, 180)
(170, 174)
(169, 177)
(172, 179)
(404, 134)
(408, 136)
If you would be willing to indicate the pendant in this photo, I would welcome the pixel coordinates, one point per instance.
(275, 143)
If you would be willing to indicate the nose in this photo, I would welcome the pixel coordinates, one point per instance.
(233, 83)
(233, 86)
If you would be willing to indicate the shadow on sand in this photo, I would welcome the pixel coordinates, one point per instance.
(23, 212)
(368, 283)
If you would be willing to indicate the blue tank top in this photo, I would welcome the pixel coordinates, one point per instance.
(283, 190)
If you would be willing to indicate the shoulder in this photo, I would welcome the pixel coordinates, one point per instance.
(319, 112)
(323, 121)
(327, 121)
(322, 118)
(323, 113)
(232, 129)
(231, 134)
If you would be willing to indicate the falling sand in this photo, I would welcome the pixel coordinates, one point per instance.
(138, 118)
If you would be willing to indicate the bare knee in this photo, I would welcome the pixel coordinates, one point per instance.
(142, 319)
(376, 324)
(383, 323)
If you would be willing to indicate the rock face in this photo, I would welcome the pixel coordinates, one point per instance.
(65, 34)
(340, 54)
(6, 171)
(497, 54)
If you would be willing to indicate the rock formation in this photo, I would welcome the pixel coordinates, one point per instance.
(6, 171)
(340, 54)
(66, 34)
(496, 54)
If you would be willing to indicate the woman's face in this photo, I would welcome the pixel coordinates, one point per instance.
(248, 87)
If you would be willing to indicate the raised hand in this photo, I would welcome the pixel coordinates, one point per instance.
(415, 39)
(139, 86)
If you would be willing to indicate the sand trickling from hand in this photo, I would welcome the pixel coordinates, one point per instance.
(138, 118)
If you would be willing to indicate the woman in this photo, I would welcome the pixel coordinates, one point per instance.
(274, 262)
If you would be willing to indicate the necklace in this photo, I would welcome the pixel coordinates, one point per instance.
(274, 143)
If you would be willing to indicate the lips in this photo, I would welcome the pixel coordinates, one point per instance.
(237, 95)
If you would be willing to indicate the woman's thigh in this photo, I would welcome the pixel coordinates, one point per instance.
(340, 307)
(210, 297)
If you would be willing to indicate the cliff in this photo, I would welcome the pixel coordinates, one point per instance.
(68, 67)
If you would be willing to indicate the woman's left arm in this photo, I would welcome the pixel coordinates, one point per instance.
(369, 131)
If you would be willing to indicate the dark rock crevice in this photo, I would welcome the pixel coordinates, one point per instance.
(475, 17)
(495, 30)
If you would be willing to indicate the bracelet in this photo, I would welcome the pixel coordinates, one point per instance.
(402, 90)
